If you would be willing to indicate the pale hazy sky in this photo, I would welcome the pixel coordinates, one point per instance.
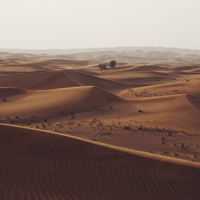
(63, 24)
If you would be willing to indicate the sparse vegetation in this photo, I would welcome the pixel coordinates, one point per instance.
(112, 63)
(141, 128)
(127, 127)
(170, 133)
(157, 129)
(102, 67)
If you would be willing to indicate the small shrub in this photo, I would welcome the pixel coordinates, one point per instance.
(157, 129)
(140, 128)
(4, 100)
(127, 128)
(170, 133)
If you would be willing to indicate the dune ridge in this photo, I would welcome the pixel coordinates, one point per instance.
(49, 103)
(58, 79)
(44, 165)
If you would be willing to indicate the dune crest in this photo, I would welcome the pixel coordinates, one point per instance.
(49, 103)
(58, 79)
(55, 166)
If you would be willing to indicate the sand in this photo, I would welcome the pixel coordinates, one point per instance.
(44, 165)
(71, 131)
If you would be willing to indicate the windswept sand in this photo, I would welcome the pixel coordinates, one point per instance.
(50, 103)
(71, 131)
(44, 165)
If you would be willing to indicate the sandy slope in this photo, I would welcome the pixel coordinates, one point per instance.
(57, 79)
(43, 165)
(50, 103)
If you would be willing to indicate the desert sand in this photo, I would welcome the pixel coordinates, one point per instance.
(71, 131)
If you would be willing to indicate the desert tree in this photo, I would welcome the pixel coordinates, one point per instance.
(112, 63)
(102, 66)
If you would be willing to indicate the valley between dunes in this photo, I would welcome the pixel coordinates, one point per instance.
(71, 131)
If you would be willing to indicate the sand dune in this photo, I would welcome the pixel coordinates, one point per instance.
(149, 103)
(165, 89)
(175, 112)
(171, 104)
(186, 68)
(42, 165)
(57, 79)
(38, 80)
(147, 68)
(50, 103)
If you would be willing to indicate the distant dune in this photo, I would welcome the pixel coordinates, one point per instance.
(58, 79)
(105, 49)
